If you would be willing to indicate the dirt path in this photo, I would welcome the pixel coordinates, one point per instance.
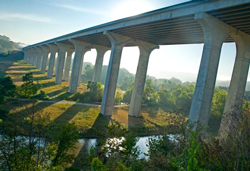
(75, 103)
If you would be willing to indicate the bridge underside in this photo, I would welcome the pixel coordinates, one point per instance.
(176, 30)
(211, 22)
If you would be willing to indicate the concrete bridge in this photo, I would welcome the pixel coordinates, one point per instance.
(211, 22)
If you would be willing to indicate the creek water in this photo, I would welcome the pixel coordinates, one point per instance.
(84, 144)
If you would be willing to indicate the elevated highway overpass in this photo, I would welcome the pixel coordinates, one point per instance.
(211, 22)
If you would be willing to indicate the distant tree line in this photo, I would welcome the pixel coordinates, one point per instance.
(7, 46)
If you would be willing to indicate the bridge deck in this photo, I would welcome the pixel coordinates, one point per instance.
(170, 25)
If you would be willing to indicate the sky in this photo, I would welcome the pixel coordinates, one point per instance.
(33, 21)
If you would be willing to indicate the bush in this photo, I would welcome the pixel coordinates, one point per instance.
(41, 96)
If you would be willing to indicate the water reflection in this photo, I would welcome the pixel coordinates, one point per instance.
(142, 144)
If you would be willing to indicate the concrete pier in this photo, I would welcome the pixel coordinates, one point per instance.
(100, 50)
(215, 32)
(45, 58)
(233, 107)
(80, 49)
(53, 50)
(39, 57)
(34, 56)
(140, 77)
(117, 42)
(211, 22)
(61, 60)
(29, 56)
(67, 64)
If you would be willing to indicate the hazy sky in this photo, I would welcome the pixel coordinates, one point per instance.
(33, 21)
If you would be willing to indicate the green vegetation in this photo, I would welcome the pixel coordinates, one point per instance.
(43, 144)
(40, 135)
(165, 102)
(117, 150)
(7, 46)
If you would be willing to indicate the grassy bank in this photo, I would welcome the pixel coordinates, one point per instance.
(87, 119)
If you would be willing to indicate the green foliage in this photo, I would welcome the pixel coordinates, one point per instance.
(127, 95)
(88, 72)
(164, 98)
(28, 89)
(6, 45)
(72, 169)
(97, 165)
(127, 82)
(118, 97)
(7, 89)
(218, 104)
(182, 98)
(42, 96)
(118, 147)
(32, 142)
(161, 153)
(148, 95)
(64, 138)
(94, 93)
(191, 153)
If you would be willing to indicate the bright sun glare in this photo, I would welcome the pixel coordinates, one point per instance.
(130, 8)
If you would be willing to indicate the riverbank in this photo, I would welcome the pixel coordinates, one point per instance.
(59, 109)
(89, 122)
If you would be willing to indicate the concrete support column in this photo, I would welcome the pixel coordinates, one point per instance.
(53, 50)
(117, 43)
(80, 71)
(29, 56)
(67, 64)
(215, 32)
(100, 50)
(61, 59)
(80, 49)
(25, 57)
(34, 57)
(140, 77)
(233, 107)
(45, 58)
(39, 57)
(56, 60)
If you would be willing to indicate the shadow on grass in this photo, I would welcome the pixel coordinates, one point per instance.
(42, 77)
(47, 84)
(63, 96)
(34, 107)
(99, 125)
(54, 93)
(69, 114)
(2, 75)
(28, 68)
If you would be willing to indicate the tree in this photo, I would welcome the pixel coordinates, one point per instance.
(182, 98)
(118, 96)
(127, 95)
(127, 81)
(94, 93)
(148, 95)
(217, 107)
(7, 89)
(28, 88)
(88, 73)
(64, 138)
(164, 98)
(43, 145)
